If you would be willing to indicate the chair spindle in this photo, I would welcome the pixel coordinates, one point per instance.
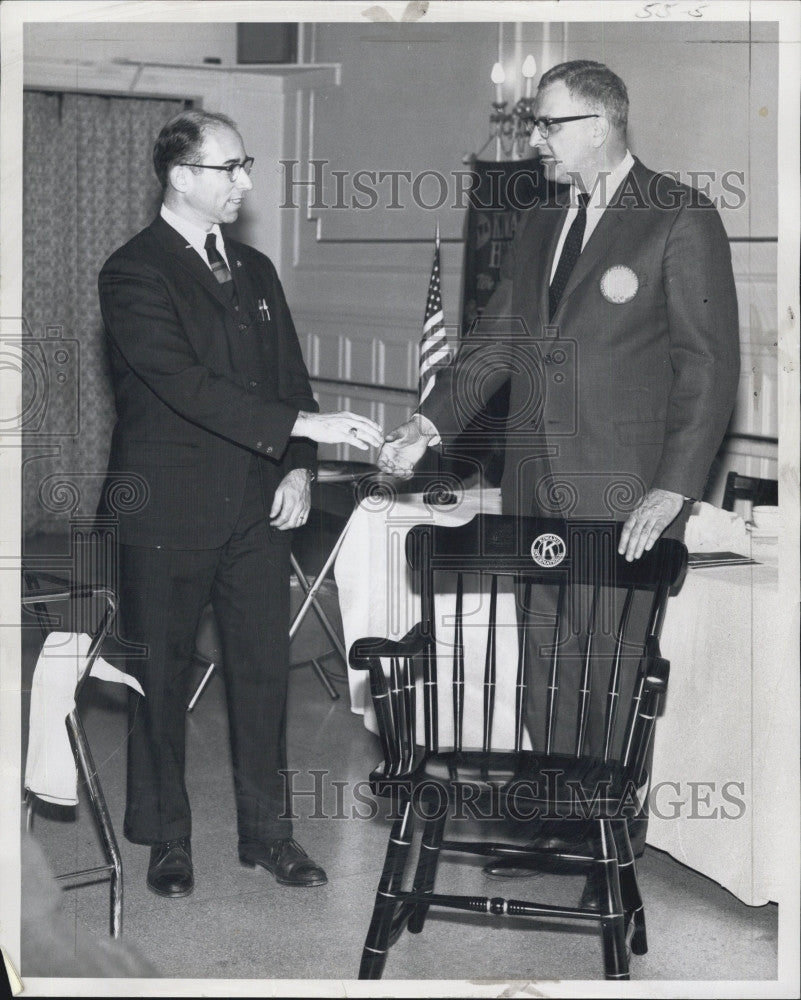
(586, 675)
(552, 698)
(458, 666)
(520, 682)
(613, 694)
(490, 665)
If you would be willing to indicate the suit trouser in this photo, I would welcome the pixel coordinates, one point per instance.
(162, 595)
(540, 643)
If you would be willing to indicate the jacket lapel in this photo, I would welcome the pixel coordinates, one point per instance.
(189, 259)
(536, 259)
(550, 240)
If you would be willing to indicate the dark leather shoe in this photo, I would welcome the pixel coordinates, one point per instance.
(590, 893)
(170, 870)
(286, 860)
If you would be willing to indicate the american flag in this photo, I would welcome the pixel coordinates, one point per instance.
(435, 352)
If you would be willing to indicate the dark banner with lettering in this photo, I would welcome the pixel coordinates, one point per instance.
(501, 192)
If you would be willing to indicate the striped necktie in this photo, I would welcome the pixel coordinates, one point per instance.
(571, 249)
(218, 266)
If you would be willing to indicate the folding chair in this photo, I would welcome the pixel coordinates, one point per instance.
(59, 591)
(427, 782)
(332, 504)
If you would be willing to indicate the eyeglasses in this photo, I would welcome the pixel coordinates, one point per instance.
(232, 169)
(543, 125)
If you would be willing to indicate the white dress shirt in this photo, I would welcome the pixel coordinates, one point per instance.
(600, 197)
(194, 235)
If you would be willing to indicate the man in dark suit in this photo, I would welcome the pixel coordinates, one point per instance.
(615, 323)
(217, 422)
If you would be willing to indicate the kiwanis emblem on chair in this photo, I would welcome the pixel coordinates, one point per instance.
(548, 550)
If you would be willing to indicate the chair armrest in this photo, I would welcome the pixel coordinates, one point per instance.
(364, 650)
(657, 668)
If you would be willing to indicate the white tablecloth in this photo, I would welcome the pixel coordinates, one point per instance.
(723, 781)
(723, 798)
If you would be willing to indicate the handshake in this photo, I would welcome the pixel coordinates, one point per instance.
(399, 451)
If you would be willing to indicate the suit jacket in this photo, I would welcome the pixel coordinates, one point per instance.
(201, 386)
(632, 384)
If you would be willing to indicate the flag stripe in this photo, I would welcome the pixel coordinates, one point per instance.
(434, 348)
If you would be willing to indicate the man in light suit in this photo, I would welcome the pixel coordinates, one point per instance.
(217, 422)
(615, 322)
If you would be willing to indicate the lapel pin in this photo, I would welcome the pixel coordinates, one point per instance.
(619, 284)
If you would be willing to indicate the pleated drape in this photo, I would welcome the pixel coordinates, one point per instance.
(88, 187)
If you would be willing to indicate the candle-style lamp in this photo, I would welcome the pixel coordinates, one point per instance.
(529, 70)
(511, 132)
(498, 118)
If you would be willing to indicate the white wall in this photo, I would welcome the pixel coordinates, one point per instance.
(154, 42)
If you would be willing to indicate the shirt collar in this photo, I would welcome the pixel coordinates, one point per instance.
(194, 235)
(602, 194)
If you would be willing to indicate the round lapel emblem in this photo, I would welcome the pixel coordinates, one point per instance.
(548, 550)
(619, 284)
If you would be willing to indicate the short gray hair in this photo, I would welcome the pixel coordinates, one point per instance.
(596, 84)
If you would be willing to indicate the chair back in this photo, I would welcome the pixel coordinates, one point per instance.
(543, 552)
(757, 491)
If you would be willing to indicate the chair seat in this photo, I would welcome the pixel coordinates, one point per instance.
(552, 786)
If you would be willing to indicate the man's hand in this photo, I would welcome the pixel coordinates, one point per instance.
(292, 500)
(644, 526)
(339, 428)
(405, 446)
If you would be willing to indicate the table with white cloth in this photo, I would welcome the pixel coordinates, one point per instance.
(722, 793)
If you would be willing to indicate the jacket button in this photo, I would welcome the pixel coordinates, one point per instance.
(259, 444)
(236, 308)
(253, 384)
(547, 359)
(242, 326)
(269, 449)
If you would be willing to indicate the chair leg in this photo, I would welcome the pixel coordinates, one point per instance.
(376, 945)
(613, 921)
(200, 687)
(426, 868)
(310, 589)
(630, 890)
(101, 813)
(333, 694)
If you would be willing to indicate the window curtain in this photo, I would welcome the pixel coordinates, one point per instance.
(88, 186)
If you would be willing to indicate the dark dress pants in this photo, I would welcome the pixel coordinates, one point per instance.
(163, 593)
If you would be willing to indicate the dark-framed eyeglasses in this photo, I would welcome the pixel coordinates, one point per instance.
(543, 125)
(232, 169)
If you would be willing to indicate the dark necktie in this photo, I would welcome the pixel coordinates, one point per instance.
(571, 250)
(218, 266)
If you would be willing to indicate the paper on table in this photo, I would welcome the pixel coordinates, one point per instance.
(710, 529)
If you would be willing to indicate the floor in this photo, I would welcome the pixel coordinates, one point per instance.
(238, 924)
